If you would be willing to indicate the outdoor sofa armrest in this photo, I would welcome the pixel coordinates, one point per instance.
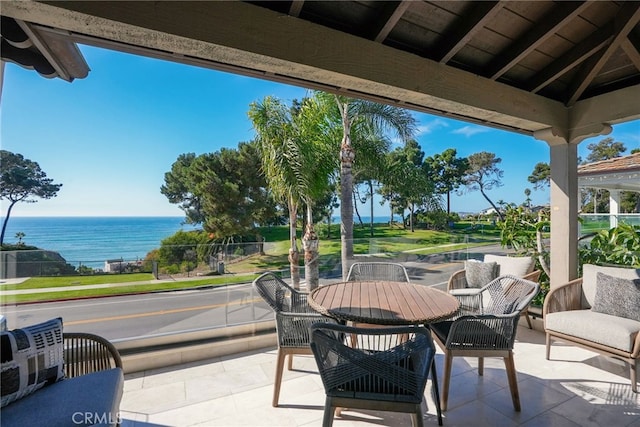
(458, 280)
(563, 298)
(534, 276)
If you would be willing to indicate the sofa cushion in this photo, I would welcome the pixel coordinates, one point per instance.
(510, 265)
(31, 358)
(605, 329)
(87, 400)
(617, 296)
(479, 273)
(589, 279)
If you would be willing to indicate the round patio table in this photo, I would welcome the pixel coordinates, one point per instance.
(383, 303)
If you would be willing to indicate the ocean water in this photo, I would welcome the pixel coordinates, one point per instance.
(92, 240)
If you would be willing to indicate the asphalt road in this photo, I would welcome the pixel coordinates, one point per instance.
(127, 317)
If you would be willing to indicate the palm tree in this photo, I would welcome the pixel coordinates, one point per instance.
(20, 235)
(355, 116)
(297, 161)
(317, 164)
(282, 164)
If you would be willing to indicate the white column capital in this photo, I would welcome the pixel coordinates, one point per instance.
(552, 136)
(557, 136)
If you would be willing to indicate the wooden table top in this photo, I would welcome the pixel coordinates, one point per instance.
(383, 303)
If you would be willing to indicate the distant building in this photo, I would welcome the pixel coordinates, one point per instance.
(115, 265)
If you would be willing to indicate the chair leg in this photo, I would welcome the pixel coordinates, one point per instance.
(526, 316)
(436, 392)
(548, 342)
(448, 360)
(278, 379)
(633, 367)
(416, 417)
(327, 420)
(481, 366)
(290, 364)
(513, 382)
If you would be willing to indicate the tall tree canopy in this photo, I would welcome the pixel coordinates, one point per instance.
(541, 176)
(483, 175)
(355, 115)
(604, 150)
(226, 187)
(297, 161)
(178, 188)
(594, 200)
(405, 185)
(22, 180)
(446, 171)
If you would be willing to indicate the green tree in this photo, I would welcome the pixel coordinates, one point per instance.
(405, 184)
(483, 175)
(22, 180)
(598, 200)
(541, 176)
(527, 201)
(225, 190)
(355, 116)
(604, 150)
(297, 161)
(446, 171)
(315, 138)
(178, 188)
(369, 170)
(281, 163)
(20, 235)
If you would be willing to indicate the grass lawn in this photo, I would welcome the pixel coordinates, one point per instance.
(386, 241)
(122, 290)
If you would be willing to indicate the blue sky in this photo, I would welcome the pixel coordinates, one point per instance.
(110, 138)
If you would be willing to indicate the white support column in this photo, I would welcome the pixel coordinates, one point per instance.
(564, 201)
(614, 207)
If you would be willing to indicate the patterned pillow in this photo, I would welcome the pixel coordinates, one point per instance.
(31, 358)
(479, 273)
(617, 296)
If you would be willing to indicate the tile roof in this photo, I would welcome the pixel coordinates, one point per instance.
(618, 164)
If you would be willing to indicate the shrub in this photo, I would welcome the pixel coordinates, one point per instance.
(617, 246)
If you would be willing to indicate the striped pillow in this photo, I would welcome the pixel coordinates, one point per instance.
(31, 358)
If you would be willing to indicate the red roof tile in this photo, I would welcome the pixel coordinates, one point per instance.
(618, 164)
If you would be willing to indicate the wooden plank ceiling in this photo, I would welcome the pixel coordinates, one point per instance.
(565, 50)
(518, 65)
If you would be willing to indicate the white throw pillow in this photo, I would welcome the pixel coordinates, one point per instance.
(514, 266)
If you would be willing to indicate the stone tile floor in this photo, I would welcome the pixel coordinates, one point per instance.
(575, 388)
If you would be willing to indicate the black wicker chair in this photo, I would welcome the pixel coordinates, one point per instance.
(489, 332)
(377, 271)
(382, 369)
(294, 316)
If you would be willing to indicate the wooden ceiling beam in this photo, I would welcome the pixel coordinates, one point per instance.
(252, 40)
(466, 27)
(296, 8)
(549, 25)
(571, 59)
(389, 16)
(625, 20)
(632, 52)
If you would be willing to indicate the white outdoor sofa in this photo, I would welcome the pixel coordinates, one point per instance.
(600, 312)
